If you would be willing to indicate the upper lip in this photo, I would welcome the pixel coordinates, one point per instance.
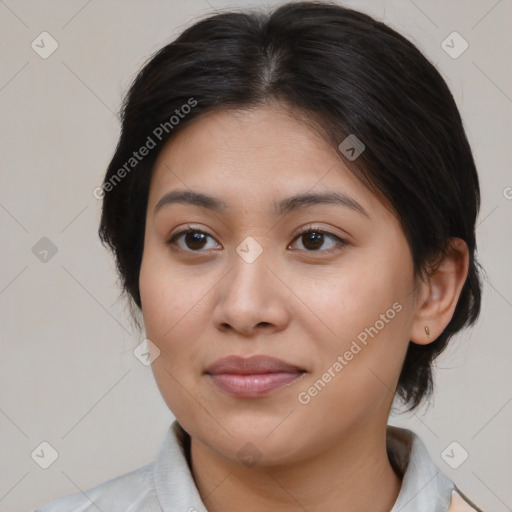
(251, 365)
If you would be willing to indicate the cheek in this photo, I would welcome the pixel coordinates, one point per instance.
(173, 310)
(365, 311)
(350, 298)
(168, 294)
(172, 313)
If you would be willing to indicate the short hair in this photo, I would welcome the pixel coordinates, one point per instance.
(347, 73)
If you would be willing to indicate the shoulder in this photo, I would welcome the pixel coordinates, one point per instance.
(118, 494)
(461, 503)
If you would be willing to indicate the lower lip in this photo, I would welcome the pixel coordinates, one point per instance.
(253, 385)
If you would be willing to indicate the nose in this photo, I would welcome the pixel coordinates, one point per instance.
(251, 299)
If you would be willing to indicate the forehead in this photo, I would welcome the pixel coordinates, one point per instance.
(264, 153)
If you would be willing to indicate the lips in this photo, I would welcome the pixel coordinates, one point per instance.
(252, 377)
(251, 366)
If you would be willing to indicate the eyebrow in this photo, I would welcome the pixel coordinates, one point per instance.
(282, 207)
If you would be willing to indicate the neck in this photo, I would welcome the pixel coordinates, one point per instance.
(353, 474)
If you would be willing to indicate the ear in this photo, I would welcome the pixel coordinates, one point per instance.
(439, 292)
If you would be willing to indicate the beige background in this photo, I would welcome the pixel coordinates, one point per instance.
(67, 372)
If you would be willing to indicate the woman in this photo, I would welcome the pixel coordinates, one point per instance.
(292, 208)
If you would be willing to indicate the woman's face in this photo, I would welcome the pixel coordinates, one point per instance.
(335, 304)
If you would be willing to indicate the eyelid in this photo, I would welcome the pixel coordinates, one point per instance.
(341, 241)
(186, 229)
(317, 228)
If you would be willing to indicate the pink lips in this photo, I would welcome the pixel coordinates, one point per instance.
(252, 377)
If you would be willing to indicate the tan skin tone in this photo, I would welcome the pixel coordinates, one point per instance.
(202, 301)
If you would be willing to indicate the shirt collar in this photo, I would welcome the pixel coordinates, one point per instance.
(424, 486)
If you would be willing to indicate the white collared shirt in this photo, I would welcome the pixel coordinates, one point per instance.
(167, 485)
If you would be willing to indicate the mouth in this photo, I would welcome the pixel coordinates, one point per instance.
(252, 377)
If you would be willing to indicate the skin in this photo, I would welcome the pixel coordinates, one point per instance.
(202, 302)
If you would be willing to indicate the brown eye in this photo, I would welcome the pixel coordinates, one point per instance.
(195, 240)
(312, 240)
(191, 240)
(316, 239)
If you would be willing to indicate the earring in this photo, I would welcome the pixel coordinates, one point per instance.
(427, 331)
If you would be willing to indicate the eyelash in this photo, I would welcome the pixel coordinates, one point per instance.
(309, 229)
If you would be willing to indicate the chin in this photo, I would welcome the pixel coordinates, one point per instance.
(256, 440)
